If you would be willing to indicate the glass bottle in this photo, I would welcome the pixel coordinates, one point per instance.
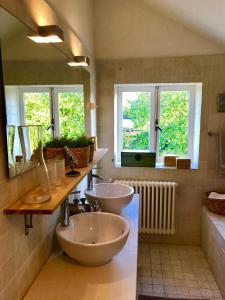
(10, 143)
(34, 171)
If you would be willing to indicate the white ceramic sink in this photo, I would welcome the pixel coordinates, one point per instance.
(112, 197)
(93, 238)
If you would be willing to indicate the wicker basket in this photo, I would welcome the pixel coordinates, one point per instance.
(82, 155)
(92, 150)
(214, 205)
(50, 153)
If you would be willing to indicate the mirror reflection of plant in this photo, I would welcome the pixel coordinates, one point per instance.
(58, 142)
(79, 142)
(91, 141)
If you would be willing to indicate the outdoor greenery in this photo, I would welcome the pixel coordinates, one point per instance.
(138, 111)
(71, 107)
(37, 112)
(173, 122)
(71, 111)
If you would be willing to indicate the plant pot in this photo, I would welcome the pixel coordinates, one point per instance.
(50, 153)
(82, 155)
(92, 150)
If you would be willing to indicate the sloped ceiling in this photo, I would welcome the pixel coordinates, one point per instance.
(78, 14)
(205, 17)
(157, 28)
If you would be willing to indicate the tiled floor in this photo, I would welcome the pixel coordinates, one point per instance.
(175, 271)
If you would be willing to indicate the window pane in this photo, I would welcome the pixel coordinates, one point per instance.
(174, 107)
(71, 109)
(136, 120)
(37, 111)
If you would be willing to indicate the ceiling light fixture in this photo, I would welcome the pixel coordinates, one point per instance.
(78, 61)
(47, 34)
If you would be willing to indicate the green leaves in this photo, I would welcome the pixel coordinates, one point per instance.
(174, 106)
(173, 118)
(58, 142)
(79, 142)
(138, 112)
(71, 111)
(71, 107)
(37, 111)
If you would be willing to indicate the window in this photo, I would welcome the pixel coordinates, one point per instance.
(164, 118)
(59, 109)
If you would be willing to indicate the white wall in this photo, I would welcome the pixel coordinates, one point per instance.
(133, 29)
(78, 14)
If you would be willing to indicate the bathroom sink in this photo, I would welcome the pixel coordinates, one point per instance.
(112, 197)
(93, 238)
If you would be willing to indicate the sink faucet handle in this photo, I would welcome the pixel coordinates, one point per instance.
(97, 176)
(95, 207)
(82, 200)
(75, 193)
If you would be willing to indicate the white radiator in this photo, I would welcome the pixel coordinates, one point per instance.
(157, 205)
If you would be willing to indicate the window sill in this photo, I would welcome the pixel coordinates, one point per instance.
(159, 166)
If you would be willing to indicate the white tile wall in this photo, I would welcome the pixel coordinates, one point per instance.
(213, 243)
(192, 184)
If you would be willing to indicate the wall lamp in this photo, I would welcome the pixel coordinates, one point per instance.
(78, 61)
(47, 34)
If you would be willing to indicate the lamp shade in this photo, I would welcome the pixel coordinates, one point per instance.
(47, 34)
(79, 61)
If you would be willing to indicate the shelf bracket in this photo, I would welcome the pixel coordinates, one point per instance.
(28, 223)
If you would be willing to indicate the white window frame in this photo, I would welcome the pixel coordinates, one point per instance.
(195, 90)
(132, 88)
(191, 114)
(29, 89)
(53, 91)
(63, 89)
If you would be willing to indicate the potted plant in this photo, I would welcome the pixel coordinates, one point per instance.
(55, 148)
(81, 150)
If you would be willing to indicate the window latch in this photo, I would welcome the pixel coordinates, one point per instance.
(157, 127)
(51, 125)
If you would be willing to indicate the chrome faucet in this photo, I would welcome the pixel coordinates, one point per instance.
(65, 217)
(90, 179)
(65, 206)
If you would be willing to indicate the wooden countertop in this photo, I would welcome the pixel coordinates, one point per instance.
(63, 278)
(58, 196)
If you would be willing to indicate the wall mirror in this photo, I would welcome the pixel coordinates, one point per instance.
(40, 89)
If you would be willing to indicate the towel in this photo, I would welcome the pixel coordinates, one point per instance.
(214, 195)
(222, 153)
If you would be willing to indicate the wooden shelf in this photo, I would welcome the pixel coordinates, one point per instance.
(58, 196)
